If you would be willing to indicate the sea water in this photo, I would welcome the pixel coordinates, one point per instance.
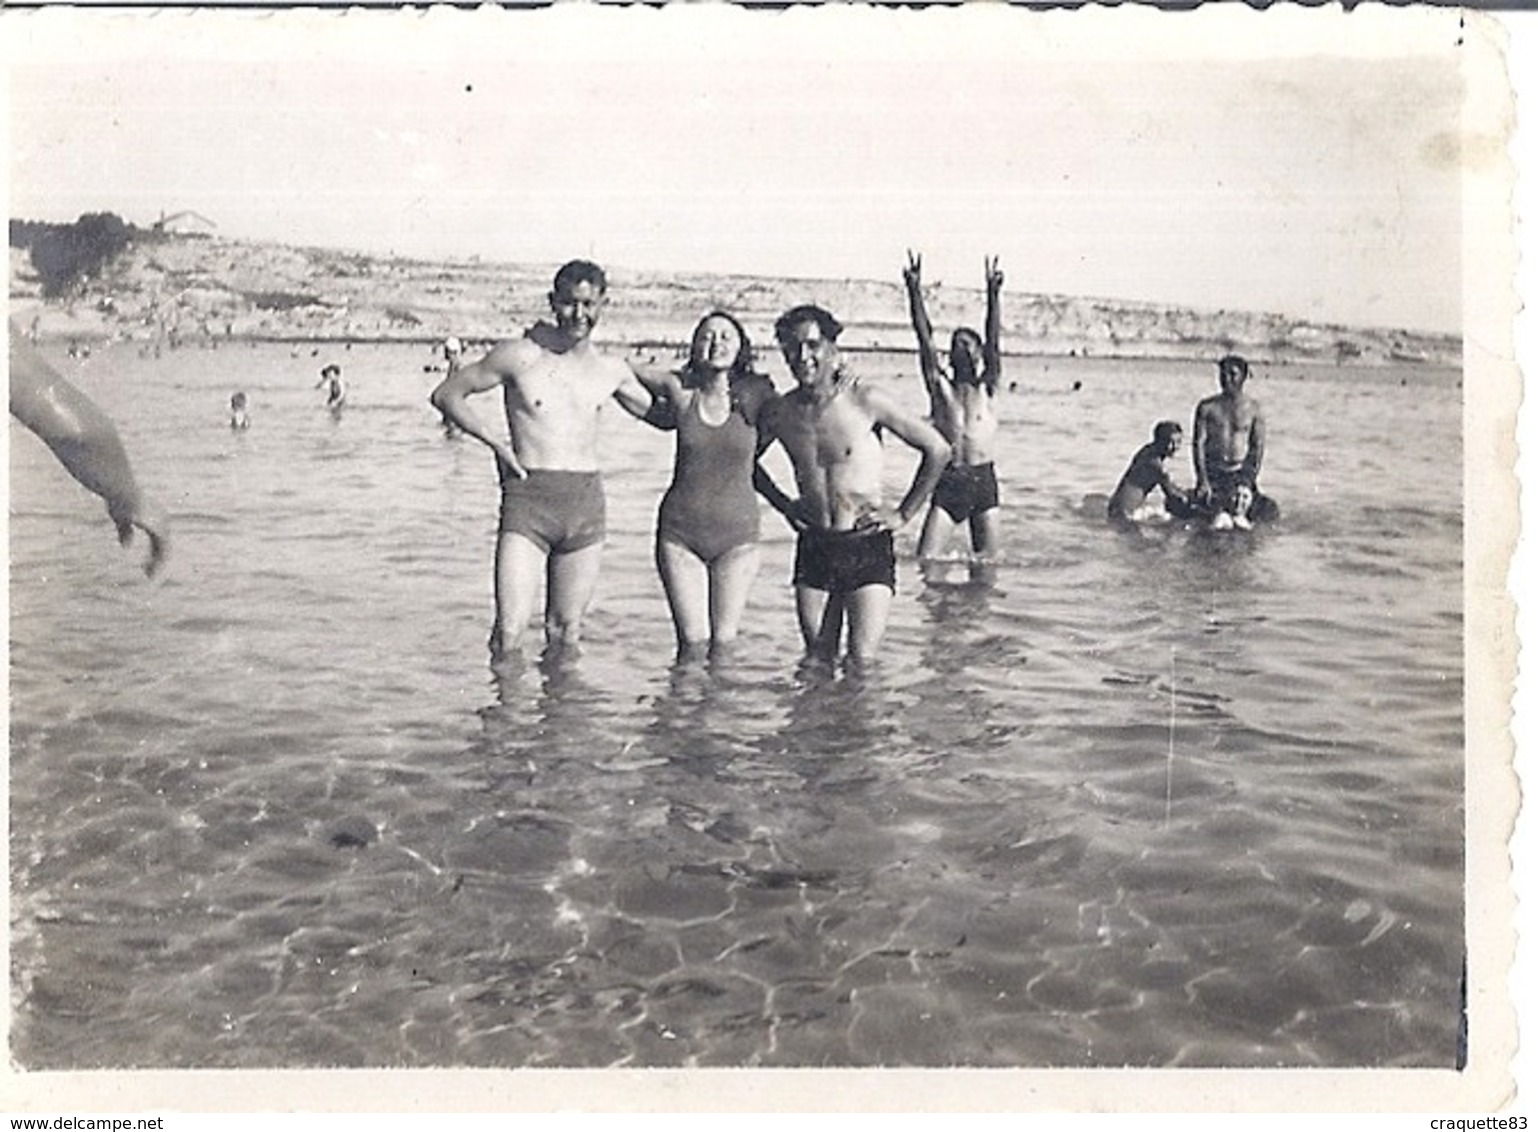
(1159, 798)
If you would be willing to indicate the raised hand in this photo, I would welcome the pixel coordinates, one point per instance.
(913, 273)
(992, 274)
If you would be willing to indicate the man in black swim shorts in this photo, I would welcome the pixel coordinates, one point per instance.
(845, 562)
(962, 388)
(965, 491)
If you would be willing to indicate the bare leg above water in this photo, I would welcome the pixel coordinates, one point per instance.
(822, 622)
(684, 581)
(571, 579)
(515, 577)
(731, 576)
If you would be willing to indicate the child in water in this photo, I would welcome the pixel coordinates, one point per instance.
(1128, 502)
(240, 418)
(336, 392)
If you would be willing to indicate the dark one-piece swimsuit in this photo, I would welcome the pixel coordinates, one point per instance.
(710, 507)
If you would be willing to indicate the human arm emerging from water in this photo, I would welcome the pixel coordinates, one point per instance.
(87, 443)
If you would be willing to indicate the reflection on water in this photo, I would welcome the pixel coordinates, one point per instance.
(1159, 797)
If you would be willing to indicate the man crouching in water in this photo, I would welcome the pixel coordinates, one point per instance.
(1228, 444)
(554, 382)
(830, 427)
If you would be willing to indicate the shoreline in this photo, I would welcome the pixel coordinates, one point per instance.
(101, 339)
(197, 290)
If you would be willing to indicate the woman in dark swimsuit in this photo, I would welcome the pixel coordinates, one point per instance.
(707, 525)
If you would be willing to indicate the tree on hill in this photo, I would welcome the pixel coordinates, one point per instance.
(66, 255)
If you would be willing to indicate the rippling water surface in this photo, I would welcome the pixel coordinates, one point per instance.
(1169, 799)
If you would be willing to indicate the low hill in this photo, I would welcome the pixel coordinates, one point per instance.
(183, 286)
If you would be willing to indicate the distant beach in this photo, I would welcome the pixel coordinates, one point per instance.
(188, 289)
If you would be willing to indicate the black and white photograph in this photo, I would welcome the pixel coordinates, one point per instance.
(688, 538)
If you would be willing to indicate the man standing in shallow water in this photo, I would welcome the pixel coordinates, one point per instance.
(961, 407)
(1228, 443)
(554, 382)
(830, 428)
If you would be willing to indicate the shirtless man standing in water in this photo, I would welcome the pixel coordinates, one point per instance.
(554, 382)
(961, 407)
(1228, 444)
(829, 427)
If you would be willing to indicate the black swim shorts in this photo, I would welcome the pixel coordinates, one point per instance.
(841, 562)
(967, 490)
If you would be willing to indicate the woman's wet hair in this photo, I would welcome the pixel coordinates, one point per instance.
(1166, 429)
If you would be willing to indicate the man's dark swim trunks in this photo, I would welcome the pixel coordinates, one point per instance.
(841, 562)
(967, 490)
(557, 511)
(1225, 480)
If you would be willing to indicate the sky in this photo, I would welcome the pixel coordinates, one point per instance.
(1315, 173)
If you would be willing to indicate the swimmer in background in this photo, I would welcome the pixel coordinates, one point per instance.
(707, 547)
(961, 407)
(1146, 471)
(830, 427)
(1228, 444)
(88, 445)
(240, 417)
(336, 392)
